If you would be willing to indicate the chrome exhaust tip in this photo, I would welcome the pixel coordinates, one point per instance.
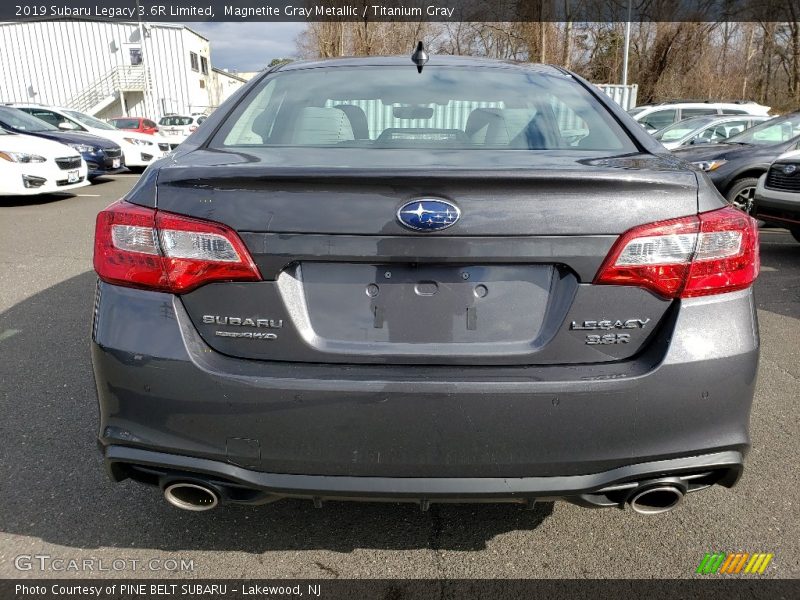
(191, 496)
(656, 499)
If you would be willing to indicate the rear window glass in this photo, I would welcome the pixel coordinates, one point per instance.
(687, 113)
(447, 107)
(125, 123)
(176, 121)
(659, 119)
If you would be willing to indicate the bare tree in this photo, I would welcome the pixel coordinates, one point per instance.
(708, 60)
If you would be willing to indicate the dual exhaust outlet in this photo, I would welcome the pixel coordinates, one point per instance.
(651, 498)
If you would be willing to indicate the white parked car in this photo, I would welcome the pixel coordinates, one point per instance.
(138, 149)
(706, 130)
(657, 116)
(31, 165)
(176, 128)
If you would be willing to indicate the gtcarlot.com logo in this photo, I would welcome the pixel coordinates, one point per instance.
(45, 562)
(733, 563)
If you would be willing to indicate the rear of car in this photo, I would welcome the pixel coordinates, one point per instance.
(777, 197)
(176, 128)
(481, 281)
(138, 124)
(31, 166)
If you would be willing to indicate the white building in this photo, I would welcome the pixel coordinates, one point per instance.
(110, 69)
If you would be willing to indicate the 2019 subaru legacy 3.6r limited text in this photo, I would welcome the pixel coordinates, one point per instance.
(474, 281)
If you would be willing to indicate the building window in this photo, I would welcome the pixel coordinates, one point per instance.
(193, 61)
(136, 56)
(204, 65)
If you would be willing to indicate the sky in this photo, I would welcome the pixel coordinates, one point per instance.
(248, 46)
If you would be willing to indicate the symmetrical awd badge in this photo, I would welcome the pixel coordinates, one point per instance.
(428, 214)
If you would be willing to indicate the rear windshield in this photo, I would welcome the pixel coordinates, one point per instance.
(125, 123)
(175, 121)
(442, 107)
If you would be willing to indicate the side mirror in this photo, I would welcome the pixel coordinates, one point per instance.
(67, 125)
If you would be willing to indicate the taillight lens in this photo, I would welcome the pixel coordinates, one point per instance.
(142, 247)
(711, 253)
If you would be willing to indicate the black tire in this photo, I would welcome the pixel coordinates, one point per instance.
(742, 193)
(795, 233)
(137, 170)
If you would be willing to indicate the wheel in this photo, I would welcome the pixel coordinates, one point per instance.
(742, 193)
(795, 233)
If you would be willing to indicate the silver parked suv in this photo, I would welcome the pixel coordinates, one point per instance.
(453, 281)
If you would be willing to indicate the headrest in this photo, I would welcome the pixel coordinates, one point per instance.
(318, 126)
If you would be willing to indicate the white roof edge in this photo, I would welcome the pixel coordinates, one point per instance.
(229, 74)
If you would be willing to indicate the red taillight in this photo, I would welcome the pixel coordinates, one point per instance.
(142, 247)
(192, 128)
(711, 253)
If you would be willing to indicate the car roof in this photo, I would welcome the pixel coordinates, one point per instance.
(434, 61)
(45, 106)
(717, 119)
(699, 103)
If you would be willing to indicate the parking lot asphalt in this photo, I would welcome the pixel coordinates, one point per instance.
(56, 500)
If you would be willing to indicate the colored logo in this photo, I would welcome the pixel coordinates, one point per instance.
(732, 563)
(428, 215)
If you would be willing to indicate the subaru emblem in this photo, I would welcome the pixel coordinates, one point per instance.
(428, 214)
(789, 169)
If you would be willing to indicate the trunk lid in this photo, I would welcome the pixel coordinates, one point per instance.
(508, 283)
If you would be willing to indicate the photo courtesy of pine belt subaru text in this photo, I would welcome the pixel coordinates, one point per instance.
(431, 280)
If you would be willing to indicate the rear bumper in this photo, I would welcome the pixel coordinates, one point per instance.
(235, 484)
(169, 401)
